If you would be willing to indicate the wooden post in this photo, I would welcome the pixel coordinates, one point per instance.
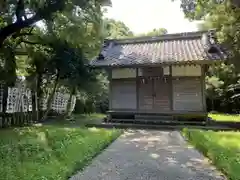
(110, 88)
(203, 84)
(137, 89)
(171, 88)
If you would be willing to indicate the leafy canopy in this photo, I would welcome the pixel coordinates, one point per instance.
(21, 14)
(155, 32)
(222, 15)
(115, 29)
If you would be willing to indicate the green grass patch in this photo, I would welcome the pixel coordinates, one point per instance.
(222, 148)
(88, 118)
(78, 120)
(48, 152)
(225, 117)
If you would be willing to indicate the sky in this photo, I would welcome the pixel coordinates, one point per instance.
(142, 16)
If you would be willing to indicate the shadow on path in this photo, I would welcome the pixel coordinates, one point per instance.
(155, 155)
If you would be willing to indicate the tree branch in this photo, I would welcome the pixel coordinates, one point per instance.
(42, 13)
(21, 34)
(29, 42)
(20, 11)
(25, 34)
(17, 26)
(30, 31)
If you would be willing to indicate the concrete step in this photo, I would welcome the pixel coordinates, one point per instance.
(162, 121)
(159, 127)
(170, 122)
(154, 117)
(121, 120)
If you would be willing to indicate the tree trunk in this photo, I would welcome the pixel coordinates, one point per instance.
(34, 105)
(50, 98)
(68, 110)
(212, 105)
(36, 95)
(4, 103)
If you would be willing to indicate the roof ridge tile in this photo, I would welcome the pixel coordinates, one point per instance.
(165, 37)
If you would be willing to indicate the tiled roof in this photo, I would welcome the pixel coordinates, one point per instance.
(170, 48)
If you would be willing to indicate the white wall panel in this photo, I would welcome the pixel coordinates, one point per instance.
(123, 73)
(188, 70)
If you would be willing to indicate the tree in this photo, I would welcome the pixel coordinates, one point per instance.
(21, 14)
(94, 95)
(115, 29)
(18, 26)
(56, 64)
(157, 32)
(222, 15)
(221, 85)
(154, 32)
(56, 58)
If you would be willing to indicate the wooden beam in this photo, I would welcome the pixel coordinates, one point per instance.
(120, 79)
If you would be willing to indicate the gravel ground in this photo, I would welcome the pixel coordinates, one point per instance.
(155, 155)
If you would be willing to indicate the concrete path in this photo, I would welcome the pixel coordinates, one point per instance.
(155, 155)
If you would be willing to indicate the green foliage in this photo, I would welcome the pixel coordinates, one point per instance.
(115, 29)
(219, 88)
(155, 32)
(223, 80)
(19, 32)
(49, 151)
(221, 15)
(222, 148)
(55, 57)
(54, 54)
(93, 96)
(26, 13)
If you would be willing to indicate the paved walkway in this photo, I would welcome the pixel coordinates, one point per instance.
(149, 155)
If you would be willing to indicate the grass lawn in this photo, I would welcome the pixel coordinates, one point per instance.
(225, 117)
(49, 151)
(222, 148)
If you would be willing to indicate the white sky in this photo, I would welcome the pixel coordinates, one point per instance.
(142, 16)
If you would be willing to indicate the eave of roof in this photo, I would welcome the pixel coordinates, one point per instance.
(194, 62)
